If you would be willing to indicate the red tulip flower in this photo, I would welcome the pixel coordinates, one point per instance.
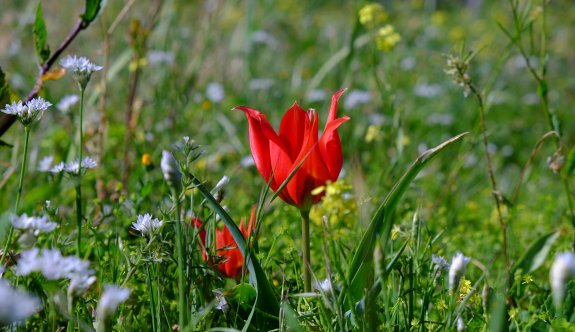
(230, 260)
(276, 155)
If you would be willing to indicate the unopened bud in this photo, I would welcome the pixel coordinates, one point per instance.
(171, 171)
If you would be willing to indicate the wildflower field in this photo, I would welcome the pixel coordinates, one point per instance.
(172, 165)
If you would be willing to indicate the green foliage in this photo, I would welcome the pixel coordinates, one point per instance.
(178, 67)
(91, 10)
(41, 35)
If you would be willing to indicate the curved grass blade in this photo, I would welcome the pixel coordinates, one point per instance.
(361, 267)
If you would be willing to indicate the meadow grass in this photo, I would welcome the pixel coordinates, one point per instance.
(453, 210)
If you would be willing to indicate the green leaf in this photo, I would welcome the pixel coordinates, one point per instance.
(5, 145)
(41, 36)
(570, 164)
(266, 299)
(535, 256)
(291, 318)
(91, 11)
(360, 273)
(4, 90)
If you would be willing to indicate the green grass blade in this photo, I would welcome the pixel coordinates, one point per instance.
(360, 275)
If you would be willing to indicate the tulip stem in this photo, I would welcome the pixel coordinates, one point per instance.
(305, 247)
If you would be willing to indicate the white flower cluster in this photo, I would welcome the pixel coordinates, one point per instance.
(82, 68)
(36, 224)
(16, 305)
(54, 266)
(27, 112)
(112, 297)
(73, 167)
(147, 224)
(79, 65)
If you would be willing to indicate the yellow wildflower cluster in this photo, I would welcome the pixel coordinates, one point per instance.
(373, 134)
(464, 289)
(338, 205)
(372, 14)
(387, 38)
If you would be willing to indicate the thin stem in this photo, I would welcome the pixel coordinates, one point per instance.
(19, 193)
(79, 184)
(305, 249)
(180, 252)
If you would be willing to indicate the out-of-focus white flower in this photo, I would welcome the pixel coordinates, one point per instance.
(260, 84)
(323, 286)
(562, 270)
(73, 167)
(457, 269)
(16, 305)
(356, 97)
(79, 283)
(440, 262)
(171, 170)
(147, 224)
(37, 224)
(427, 90)
(82, 68)
(29, 112)
(215, 92)
(112, 297)
(52, 264)
(316, 95)
(67, 102)
(264, 37)
(45, 164)
(159, 57)
(460, 324)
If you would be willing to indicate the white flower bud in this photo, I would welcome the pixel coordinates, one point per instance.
(457, 269)
(171, 170)
(562, 269)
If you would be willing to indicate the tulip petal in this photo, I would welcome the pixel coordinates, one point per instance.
(292, 129)
(329, 143)
(267, 148)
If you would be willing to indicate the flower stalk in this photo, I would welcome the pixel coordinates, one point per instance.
(305, 250)
(79, 184)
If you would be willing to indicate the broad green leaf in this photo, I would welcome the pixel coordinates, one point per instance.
(535, 256)
(291, 318)
(4, 90)
(91, 11)
(266, 298)
(41, 35)
(360, 273)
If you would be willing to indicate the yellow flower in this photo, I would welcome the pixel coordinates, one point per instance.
(146, 159)
(373, 134)
(372, 14)
(464, 289)
(338, 205)
(387, 38)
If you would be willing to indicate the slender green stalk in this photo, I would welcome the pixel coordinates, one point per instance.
(20, 186)
(79, 184)
(182, 308)
(305, 248)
